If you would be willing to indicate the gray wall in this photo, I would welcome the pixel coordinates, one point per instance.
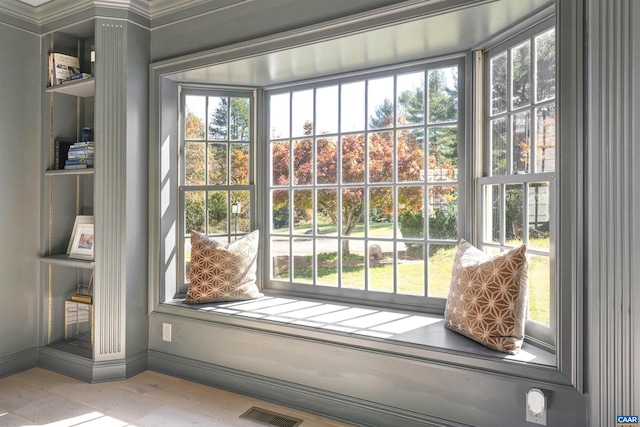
(612, 187)
(137, 154)
(20, 112)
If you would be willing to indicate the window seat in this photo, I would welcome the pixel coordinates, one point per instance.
(395, 327)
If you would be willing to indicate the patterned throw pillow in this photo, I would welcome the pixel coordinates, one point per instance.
(487, 297)
(222, 273)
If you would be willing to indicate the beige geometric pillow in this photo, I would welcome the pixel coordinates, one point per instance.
(487, 297)
(222, 273)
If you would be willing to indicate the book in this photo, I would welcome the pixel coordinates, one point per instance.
(80, 76)
(85, 299)
(61, 153)
(62, 67)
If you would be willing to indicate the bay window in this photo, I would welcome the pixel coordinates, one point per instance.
(364, 185)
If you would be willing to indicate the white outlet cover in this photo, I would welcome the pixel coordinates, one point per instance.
(536, 407)
(166, 332)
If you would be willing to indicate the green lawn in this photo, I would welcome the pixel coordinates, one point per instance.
(411, 274)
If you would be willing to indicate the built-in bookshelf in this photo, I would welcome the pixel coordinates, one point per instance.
(68, 193)
(98, 204)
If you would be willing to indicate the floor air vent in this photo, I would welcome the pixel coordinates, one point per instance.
(269, 418)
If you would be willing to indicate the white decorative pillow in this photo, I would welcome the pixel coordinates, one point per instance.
(222, 273)
(488, 296)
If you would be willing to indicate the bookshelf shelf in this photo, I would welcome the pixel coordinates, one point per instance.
(65, 172)
(65, 261)
(83, 88)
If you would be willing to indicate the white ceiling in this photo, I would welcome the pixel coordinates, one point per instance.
(430, 37)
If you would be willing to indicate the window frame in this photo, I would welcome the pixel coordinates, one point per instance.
(182, 188)
(535, 332)
(464, 182)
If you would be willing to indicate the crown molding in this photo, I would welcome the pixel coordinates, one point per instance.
(19, 10)
(166, 7)
(169, 10)
(58, 9)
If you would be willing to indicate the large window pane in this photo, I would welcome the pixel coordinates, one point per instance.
(217, 158)
(194, 165)
(327, 217)
(410, 99)
(499, 84)
(218, 118)
(280, 211)
(352, 107)
(353, 264)
(539, 295)
(280, 155)
(327, 110)
(302, 162)
(521, 141)
(240, 119)
(491, 213)
(327, 161)
(521, 75)
(352, 210)
(303, 268)
(410, 211)
(539, 216)
(410, 266)
(545, 45)
(194, 211)
(443, 212)
(279, 118)
(381, 157)
(381, 212)
(440, 261)
(380, 257)
(514, 214)
(303, 211)
(327, 262)
(195, 117)
(498, 146)
(280, 258)
(240, 164)
(546, 138)
(443, 154)
(218, 212)
(241, 211)
(380, 105)
(353, 148)
(302, 113)
(410, 157)
(443, 95)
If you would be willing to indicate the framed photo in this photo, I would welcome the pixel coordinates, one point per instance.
(82, 242)
(80, 220)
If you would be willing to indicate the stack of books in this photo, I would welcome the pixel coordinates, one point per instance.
(91, 152)
(63, 68)
(77, 156)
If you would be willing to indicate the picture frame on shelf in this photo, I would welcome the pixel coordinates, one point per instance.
(83, 242)
(80, 220)
(82, 239)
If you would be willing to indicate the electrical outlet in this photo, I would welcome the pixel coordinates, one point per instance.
(166, 332)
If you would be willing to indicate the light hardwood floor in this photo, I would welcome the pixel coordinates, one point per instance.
(38, 397)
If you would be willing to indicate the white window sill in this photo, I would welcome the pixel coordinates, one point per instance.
(313, 318)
